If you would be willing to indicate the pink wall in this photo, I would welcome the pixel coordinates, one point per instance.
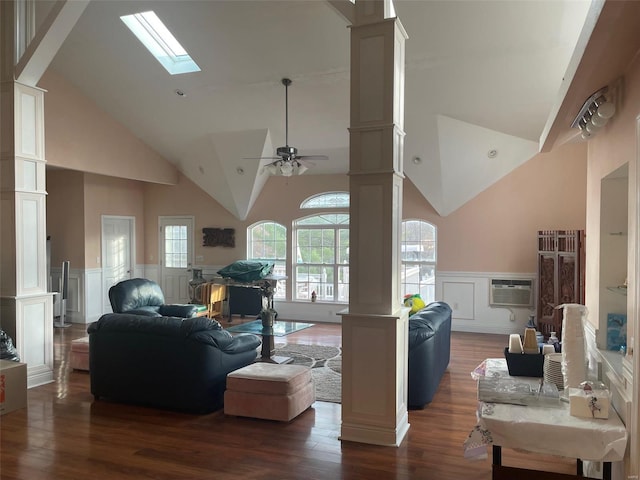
(75, 204)
(278, 201)
(65, 217)
(611, 148)
(111, 196)
(81, 136)
(496, 231)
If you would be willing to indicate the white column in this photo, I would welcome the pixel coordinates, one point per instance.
(375, 330)
(26, 310)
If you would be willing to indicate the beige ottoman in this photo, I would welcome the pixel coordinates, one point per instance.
(79, 357)
(269, 391)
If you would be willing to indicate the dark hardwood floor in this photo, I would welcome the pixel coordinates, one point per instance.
(64, 434)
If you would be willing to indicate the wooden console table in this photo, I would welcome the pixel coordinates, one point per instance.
(546, 430)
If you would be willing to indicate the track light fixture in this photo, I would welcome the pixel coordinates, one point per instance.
(595, 113)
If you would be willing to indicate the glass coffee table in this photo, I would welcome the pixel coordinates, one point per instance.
(280, 328)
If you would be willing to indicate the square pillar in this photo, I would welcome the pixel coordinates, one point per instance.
(375, 328)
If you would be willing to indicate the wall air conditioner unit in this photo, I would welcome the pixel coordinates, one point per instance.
(511, 293)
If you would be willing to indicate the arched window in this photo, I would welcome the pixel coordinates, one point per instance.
(418, 244)
(322, 257)
(327, 200)
(267, 241)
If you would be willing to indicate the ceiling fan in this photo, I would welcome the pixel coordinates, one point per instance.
(288, 162)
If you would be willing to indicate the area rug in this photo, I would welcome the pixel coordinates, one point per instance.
(326, 367)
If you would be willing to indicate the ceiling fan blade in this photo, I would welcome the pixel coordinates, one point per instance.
(305, 163)
(261, 158)
(312, 157)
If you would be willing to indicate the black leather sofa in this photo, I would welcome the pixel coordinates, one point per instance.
(429, 352)
(166, 362)
(145, 297)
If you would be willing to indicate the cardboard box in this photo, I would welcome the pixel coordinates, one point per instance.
(13, 386)
(590, 404)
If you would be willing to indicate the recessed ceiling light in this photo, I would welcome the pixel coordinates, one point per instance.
(416, 160)
(492, 153)
(240, 170)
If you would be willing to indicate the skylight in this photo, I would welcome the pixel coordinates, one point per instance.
(154, 35)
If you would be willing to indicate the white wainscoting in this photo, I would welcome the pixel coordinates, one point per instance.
(309, 311)
(150, 272)
(86, 296)
(468, 295)
(466, 292)
(93, 295)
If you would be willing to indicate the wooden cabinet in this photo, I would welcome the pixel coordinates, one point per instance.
(561, 265)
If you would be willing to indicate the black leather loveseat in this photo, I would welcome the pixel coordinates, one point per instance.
(144, 297)
(429, 351)
(166, 362)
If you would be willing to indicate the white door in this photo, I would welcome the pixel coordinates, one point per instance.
(117, 253)
(176, 254)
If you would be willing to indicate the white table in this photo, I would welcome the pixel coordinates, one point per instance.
(545, 430)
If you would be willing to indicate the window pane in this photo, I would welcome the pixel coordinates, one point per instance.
(418, 245)
(319, 244)
(343, 284)
(327, 200)
(267, 241)
(175, 246)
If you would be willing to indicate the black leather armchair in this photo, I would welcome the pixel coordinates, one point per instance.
(144, 297)
(429, 352)
(166, 362)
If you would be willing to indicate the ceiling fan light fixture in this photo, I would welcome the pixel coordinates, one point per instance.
(271, 169)
(289, 162)
(286, 169)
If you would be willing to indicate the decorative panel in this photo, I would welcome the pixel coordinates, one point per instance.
(33, 352)
(30, 243)
(34, 337)
(370, 253)
(364, 389)
(460, 297)
(372, 92)
(30, 175)
(371, 148)
(29, 250)
(29, 119)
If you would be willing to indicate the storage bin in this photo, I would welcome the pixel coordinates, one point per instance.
(524, 364)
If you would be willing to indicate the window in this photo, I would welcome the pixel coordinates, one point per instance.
(175, 246)
(418, 244)
(322, 257)
(267, 241)
(327, 200)
(154, 35)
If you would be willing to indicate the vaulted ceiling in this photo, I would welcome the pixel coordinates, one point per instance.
(480, 76)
